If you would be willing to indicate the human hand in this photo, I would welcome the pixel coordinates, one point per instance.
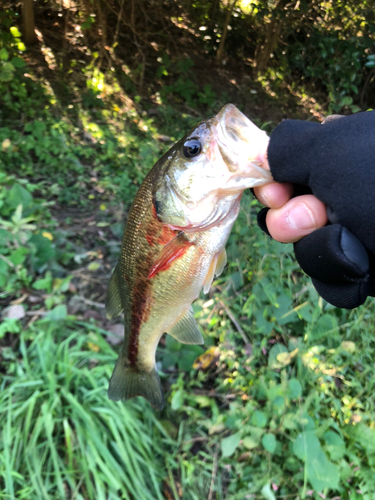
(335, 163)
(289, 219)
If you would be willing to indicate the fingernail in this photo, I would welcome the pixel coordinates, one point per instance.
(264, 197)
(301, 218)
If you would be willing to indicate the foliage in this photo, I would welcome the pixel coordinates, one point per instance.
(326, 45)
(339, 64)
(184, 87)
(24, 251)
(280, 416)
(279, 402)
(61, 437)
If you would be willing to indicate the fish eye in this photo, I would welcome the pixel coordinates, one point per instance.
(192, 147)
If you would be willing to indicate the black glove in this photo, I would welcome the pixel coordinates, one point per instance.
(335, 161)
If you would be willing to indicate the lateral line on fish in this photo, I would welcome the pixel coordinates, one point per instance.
(139, 314)
(142, 292)
(156, 234)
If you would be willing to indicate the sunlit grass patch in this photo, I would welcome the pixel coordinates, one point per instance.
(60, 435)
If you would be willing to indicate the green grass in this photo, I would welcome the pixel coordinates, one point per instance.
(283, 408)
(62, 437)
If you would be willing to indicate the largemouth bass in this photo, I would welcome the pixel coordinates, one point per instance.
(174, 239)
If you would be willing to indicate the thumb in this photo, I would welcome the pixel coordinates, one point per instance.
(299, 217)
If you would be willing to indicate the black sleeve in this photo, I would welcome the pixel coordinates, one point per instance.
(336, 161)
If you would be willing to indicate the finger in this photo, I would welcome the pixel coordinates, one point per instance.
(297, 218)
(274, 195)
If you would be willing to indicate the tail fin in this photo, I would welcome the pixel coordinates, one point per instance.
(127, 383)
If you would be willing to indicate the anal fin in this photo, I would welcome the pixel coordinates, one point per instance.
(127, 383)
(186, 330)
(113, 302)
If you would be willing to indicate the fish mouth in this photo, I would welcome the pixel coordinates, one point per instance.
(232, 122)
(242, 145)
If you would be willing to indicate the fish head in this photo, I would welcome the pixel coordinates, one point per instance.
(206, 172)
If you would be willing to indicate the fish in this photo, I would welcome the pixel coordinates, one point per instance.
(174, 242)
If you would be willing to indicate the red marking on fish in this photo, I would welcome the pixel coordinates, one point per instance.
(164, 249)
(167, 234)
(171, 252)
(142, 290)
(140, 312)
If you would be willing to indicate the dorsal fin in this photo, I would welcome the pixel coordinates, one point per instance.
(186, 330)
(113, 302)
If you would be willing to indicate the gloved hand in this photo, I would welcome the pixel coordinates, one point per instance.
(335, 161)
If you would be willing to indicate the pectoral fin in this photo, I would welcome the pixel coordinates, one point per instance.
(221, 262)
(210, 276)
(171, 251)
(216, 268)
(113, 303)
(186, 330)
